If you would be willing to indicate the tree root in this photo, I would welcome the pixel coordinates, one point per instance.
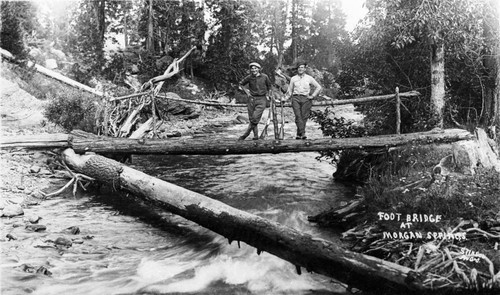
(76, 180)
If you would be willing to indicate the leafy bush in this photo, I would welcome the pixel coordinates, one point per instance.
(73, 111)
(335, 127)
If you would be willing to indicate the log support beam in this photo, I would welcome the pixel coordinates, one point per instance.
(180, 146)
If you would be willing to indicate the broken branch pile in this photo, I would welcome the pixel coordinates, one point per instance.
(122, 116)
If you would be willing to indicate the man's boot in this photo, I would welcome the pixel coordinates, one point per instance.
(247, 132)
(255, 132)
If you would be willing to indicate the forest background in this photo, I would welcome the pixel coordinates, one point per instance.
(446, 50)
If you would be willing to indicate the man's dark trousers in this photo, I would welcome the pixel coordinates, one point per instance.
(255, 106)
(301, 106)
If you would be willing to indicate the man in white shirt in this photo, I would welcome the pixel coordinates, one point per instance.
(300, 91)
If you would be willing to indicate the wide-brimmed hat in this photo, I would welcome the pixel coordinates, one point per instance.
(254, 64)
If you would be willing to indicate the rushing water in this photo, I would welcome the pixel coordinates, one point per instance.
(130, 248)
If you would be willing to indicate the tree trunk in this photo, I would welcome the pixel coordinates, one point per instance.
(125, 30)
(279, 23)
(150, 39)
(100, 13)
(302, 250)
(101, 144)
(437, 83)
(294, 29)
(491, 61)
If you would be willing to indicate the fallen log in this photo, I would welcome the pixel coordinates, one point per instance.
(344, 216)
(303, 250)
(101, 144)
(39, 141)
(55, 75)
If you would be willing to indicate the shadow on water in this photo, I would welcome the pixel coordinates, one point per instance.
(188, 233)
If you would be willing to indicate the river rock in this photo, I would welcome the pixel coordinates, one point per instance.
(42, 244)
(51, 64)
(33, 269)
(10, 237)
(35, 169)
(60, 241)
(12, 210)
(74, 230)
(36, 227)
(242, 119)
(30, 201)
(36, 195)
(174, 134)
(43, 270)
(32, 218)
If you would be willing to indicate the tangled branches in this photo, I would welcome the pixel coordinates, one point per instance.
(446, 263)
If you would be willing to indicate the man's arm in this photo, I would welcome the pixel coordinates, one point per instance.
(242, 84)
(244, 81)
(317, 88)
(269, 85)
(289, 92)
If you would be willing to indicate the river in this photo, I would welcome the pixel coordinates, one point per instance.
(130, 248)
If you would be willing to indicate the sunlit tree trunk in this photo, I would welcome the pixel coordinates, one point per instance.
(437, 83)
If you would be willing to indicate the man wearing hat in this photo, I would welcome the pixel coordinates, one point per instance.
(259, 86)
(300, 91)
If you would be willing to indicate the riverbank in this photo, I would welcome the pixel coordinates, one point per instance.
(433, 208)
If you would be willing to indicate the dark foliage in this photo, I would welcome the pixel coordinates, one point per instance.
(73, 110)
(17, 21)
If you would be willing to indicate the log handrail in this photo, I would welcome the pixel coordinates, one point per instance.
(315, 103)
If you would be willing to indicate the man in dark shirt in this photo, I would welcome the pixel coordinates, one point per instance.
(259, 86)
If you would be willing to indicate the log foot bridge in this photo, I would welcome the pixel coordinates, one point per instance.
(302, 250)
(82, 142)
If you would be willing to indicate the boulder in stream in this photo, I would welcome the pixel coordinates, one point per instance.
(12, 210)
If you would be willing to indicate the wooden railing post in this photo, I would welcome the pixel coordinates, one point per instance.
(398, 112)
